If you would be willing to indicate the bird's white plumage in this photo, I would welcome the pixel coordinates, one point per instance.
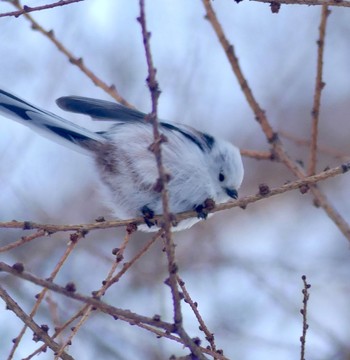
(200, 166)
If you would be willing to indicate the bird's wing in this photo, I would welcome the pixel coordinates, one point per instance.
(99, 109)
(112, 111)
(47, 123)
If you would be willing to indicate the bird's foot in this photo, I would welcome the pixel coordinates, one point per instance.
(148, 215)
(202, 210)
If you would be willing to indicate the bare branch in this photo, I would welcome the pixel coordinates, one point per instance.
(122, 314)
(109, 89)
(162, 186)
(243, 202)
(106, 284)
(321, 149)
(340, 3)
(42, 294)
(319, 85)
(303, 312)
(130, 263)
(39, 332)
(258, 155)
(23, 240)
(209, 336)
(27, 9)
(261, 118)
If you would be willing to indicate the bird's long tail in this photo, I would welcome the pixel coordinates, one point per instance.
(48, 124)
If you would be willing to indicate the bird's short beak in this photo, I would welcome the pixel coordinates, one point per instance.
(232, 193)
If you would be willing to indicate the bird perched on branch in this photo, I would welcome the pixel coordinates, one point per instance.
(200, 167)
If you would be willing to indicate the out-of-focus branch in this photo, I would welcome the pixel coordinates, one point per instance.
(26, 9)
(109, 89)
(39, 331)
(340, 3)
(319, 85)
(298, 184)
(261, 118)
(258, 155)
(321, 149)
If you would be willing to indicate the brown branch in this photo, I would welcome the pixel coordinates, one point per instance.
(42, 294)
(107, 283)
(153, 86)
(233, 60)
(126, 315)
(160, 333)
(319, 85)
(340, 3)
(39, 332)
(303, 312)
(109, 89)
(26, 9)
(122, 314)
(23, 240)
(270, 134)
(162, 186)
(321, 149)
(194, 306)
(98, 293)
(243, 202)
(130, 263)
(58, 331)
(258, 155)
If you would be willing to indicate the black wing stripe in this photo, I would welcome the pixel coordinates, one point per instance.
(69, 135)
(209, 140)
(205, 142)
(20, 111)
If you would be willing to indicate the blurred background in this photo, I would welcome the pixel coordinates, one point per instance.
(243, 267)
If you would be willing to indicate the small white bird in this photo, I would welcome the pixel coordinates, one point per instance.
(200, 166)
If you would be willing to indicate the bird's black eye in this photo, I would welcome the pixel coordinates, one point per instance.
(221, 177)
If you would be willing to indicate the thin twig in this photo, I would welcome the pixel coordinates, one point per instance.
(107, 284)
(321, 149)
(26, 9)
(243, 202)
(38, 331)
(41, 295)
(162, 186)
(162, 334)
(258, 155)
(303, 312)
(194, 306)
(109, 89)
(23, 240)
(130, 263)
(97, 294)
(319, 85)
(340, 3)
(57, 332)
(261, 118)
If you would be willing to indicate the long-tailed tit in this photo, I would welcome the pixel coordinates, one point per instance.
(201, 167)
